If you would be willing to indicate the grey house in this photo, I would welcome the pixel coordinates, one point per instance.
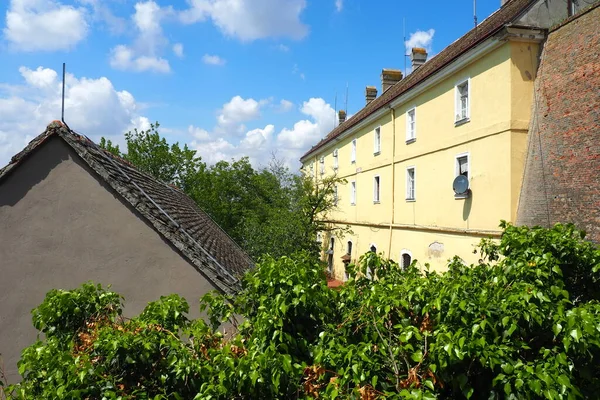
(71, 212)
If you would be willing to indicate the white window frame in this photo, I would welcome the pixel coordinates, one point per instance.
(353, 151)
(376, 189)
(351, 249)
(458, 118)
(457, 166)
(335, 159)
(322, 165)
(411, 131)
(377, 140)
(414, 188)
(352, 193)
(346, 275)
(403, 252)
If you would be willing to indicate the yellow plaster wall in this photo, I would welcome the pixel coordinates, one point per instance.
(501, 84)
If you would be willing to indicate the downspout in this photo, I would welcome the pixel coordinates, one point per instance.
(393, 165)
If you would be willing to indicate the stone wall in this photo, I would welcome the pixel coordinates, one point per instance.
(562, 170)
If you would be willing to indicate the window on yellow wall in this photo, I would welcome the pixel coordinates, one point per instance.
(353, 192)
(462, 102)
(405, 260)
(335, 159)
(376, 189)
(410, 183)
(353, 152)
(322, 165)
(411, 125)
(462, 165)
(377, 140)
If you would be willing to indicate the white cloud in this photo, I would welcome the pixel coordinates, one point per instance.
(238, 110)
(339, 5)
(214, 151)
(213, 60)
(44, 25)
(100, 12)
(249, 20)
(124, 58)
(285, 105)
(144, 53)
(296, 71)
(178, 50)
(199, 134)
(257, 139)
(307, 132)
(422, 39)
(40, 78)
(283, 48)
(259, 144)
(93, 106)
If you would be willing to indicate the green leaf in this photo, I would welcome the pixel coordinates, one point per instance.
(417, 356)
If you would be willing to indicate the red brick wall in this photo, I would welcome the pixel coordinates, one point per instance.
(562, 170)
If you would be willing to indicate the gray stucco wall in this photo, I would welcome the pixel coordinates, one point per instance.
(60, 227)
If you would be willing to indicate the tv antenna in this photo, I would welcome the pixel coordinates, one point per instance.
(475, 12)
(346, 105)
(404, 42)
(62, 111)
(335, 109)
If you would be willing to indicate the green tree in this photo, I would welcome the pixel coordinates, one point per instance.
(521, 324)
(267, 211)
(151, 153)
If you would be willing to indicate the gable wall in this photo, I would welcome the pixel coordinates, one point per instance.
(561, 181)
(60, 227)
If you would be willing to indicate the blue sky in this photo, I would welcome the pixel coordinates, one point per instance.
(231, 78)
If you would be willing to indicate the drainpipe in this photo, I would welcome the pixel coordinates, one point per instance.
(393, 165)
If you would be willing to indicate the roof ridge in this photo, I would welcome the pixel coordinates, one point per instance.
(218, 257)
(484, 30)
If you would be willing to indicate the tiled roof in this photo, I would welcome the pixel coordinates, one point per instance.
(487, 28)
(172, 213)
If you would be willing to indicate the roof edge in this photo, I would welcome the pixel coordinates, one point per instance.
(513, 9)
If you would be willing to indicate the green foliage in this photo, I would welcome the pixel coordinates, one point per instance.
(523, 323)
(267, 210)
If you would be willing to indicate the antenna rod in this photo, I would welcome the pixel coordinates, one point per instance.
(346, 106)
(62, 112)
(335, 108)
(62, 116)
(475, 12)
(404, 44)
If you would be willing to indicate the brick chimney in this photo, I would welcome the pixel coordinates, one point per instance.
(341, 116)
(389, 77)
(370, 93)
(418, 57)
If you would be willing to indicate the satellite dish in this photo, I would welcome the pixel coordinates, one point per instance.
(461, 185)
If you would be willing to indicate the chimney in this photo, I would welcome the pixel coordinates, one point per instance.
(503, 2)
(370, 93)
(389, 77)
(342, 116)
(418, 57)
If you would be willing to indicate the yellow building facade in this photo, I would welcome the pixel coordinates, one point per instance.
(404, 150)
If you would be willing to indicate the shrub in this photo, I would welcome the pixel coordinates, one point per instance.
(523, 323)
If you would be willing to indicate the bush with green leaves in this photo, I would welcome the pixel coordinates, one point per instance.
(523, 323)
